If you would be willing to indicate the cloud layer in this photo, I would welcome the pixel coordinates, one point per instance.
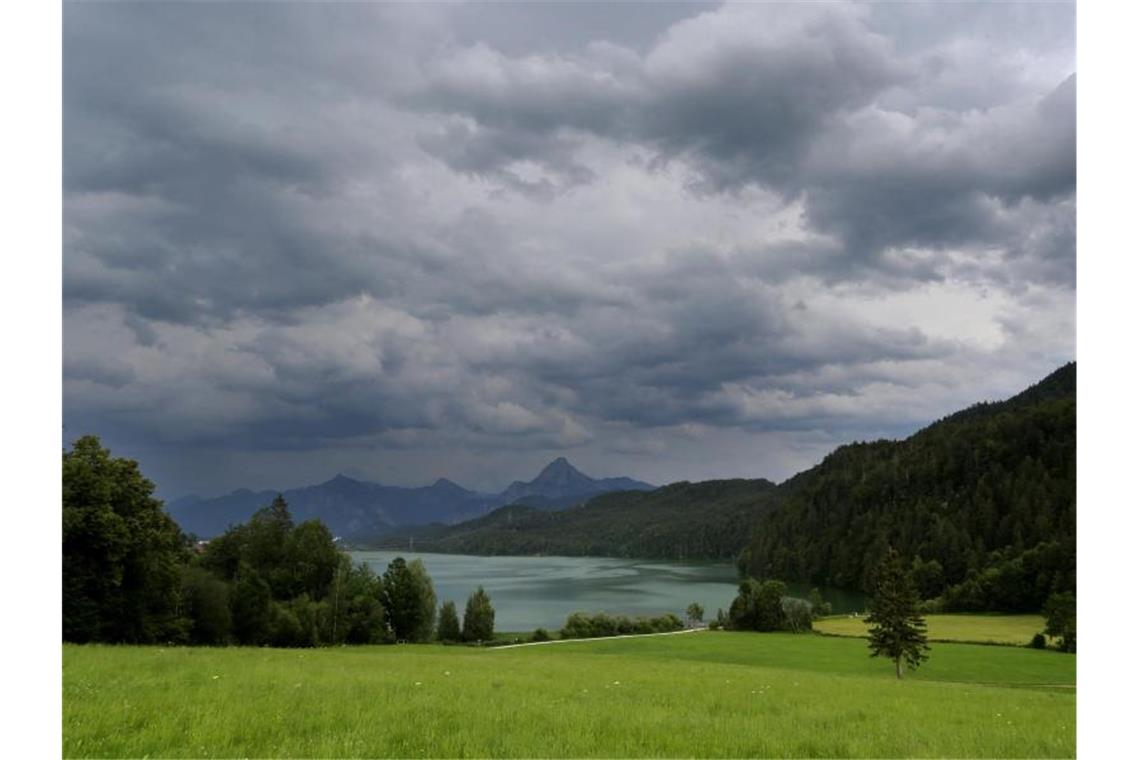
(686, 242)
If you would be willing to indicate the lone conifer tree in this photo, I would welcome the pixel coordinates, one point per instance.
(897, 630)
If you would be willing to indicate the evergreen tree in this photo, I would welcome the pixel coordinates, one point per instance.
(266, 541)
(448, 623)
(897, 630)
(479, 617)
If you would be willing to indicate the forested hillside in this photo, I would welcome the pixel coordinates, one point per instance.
(982, 504)
(707, 520)
(983, 501)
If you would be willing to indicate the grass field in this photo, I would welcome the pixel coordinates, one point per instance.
(983, 629)
(704, 694)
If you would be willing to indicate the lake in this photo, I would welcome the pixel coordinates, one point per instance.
(532, 592)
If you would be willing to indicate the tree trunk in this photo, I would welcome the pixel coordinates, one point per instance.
(898, 668)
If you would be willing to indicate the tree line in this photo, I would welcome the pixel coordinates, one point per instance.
(131, 576)
(707, 520)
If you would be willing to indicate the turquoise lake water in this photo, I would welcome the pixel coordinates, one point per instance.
(529, 592)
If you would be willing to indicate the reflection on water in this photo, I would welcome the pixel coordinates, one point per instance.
(529, 592)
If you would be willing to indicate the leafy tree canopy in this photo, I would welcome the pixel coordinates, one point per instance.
(121, 552)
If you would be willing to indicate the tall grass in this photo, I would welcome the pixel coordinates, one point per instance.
(986, 629)
(707, 694)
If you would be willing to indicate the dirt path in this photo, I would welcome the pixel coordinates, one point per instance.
(599, 638)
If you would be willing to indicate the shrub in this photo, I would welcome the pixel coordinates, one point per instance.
(1038, 641)
(931, 606)
(581, 625)
(758, 606)
(819, 608)
(540, 634)
(284, 628)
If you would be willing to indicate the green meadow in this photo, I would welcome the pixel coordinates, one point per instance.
(703, 694)
(975, 628)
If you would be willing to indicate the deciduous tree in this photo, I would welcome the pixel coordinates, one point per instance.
(1061, 619)
(121, 551)
(696, 613)
(478, 617)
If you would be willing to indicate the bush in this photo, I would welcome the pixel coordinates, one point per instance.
(1038, 641)
(540, 634)
(758, 606)
(931, 606)
(819, 608)
(284, 628)
(581, 625)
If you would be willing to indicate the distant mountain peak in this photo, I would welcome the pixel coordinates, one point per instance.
(561, 467)
(450, 485)
(561, 484)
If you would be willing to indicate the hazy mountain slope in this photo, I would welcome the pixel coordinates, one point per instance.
(683, 520)
(356, 508)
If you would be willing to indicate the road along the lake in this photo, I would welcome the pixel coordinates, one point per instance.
(599, 638)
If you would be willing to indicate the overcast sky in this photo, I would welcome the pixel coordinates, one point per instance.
(676, 241)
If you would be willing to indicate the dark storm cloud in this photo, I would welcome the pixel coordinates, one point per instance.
(410, 232)
(790, 99)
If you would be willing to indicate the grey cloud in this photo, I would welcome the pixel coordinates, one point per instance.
(383, 235)
(791, 99)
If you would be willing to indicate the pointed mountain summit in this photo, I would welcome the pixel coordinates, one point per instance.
(443, 484)
(561, 484)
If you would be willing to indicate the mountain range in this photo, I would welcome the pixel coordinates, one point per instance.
(357, 509)
(983, 501)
